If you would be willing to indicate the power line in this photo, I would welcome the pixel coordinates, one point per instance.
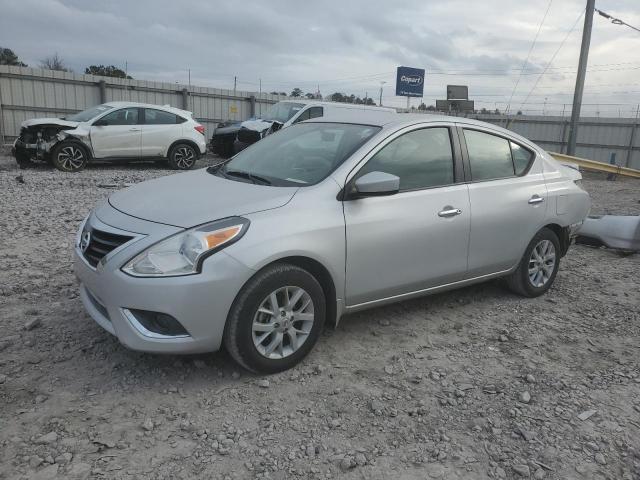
(524, 64)
(614, 20)
(554, 55)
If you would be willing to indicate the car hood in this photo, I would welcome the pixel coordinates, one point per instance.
(257, 125)
(49, 121)
(193, 198)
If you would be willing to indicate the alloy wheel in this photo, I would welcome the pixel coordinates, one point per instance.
(184, 158)
(542, 263)
(283, 322)
(71, 158)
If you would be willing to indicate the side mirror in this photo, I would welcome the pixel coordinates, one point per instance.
(376, 184)
(100, 123)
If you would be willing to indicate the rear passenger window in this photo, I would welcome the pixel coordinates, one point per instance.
(158, 117)
(421, 159)
(489, 156)
(521, 158)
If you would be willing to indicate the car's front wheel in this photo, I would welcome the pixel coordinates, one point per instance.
(276, 319)
(538, 267)
(69, 157)
(183, 157)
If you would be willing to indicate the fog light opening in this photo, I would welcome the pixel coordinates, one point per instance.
(155, 324)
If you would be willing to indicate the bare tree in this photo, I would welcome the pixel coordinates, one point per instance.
(54, 62)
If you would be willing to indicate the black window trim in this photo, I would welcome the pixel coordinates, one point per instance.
(458, 175)
(465, 153)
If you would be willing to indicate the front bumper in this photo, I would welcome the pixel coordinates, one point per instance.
(199, 302)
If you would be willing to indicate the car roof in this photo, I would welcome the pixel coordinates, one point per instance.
(400, 120)
(168, 108)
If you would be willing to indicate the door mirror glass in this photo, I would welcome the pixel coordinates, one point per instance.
(377, 183)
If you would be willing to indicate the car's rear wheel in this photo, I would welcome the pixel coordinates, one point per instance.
(276, 319)
(183, 157)
(538, 267)
(69, 157)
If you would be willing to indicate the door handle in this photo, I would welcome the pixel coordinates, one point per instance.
(449, 212)
(134, 129)
(535, 199)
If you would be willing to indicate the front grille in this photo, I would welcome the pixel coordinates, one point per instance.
(101, 243)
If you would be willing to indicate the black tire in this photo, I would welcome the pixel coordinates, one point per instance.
(23, 159)
(183, 157)
(238, 334)
(227, 149)
(68, 156)
(519, 281)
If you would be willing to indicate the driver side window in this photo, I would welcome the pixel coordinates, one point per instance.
(125, 116)
(421, 159)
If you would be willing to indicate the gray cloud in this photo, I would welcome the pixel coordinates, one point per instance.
(348, 46)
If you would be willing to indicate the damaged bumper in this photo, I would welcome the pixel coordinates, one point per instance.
(619, 232)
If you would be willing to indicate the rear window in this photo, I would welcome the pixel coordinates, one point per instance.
(521, 158)
(160, 117)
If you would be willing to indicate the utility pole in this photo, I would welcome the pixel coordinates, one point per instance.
(582, 70)
(235, 83)
(382, 82)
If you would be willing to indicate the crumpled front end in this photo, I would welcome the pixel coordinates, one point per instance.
(37, 139)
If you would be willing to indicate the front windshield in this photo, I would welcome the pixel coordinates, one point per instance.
(88, 114)
(301, 155)
(282, 111)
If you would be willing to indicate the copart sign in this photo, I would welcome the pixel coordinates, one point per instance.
(409, 82)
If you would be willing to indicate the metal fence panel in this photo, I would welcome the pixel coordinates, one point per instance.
(30, 92)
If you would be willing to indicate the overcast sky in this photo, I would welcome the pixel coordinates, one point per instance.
(348, 46)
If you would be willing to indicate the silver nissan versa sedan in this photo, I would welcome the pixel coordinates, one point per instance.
(321, 219)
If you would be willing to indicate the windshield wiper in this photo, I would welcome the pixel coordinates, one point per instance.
(250, 176)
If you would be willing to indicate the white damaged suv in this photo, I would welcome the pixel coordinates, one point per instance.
(113, 131)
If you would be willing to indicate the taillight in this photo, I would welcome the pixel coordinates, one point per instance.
(200, 129)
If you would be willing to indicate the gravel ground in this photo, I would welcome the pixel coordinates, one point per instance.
(476, 383)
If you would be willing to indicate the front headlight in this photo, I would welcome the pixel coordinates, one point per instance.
(183, 254)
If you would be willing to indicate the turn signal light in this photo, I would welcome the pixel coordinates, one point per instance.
(222, 236)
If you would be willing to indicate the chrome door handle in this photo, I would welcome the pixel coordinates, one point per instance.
(449, 212)
(536, 199)
(134, 129)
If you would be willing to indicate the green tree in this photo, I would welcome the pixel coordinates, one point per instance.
(108, 71)
(422, 107)
(7, 57)
(296, 92)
